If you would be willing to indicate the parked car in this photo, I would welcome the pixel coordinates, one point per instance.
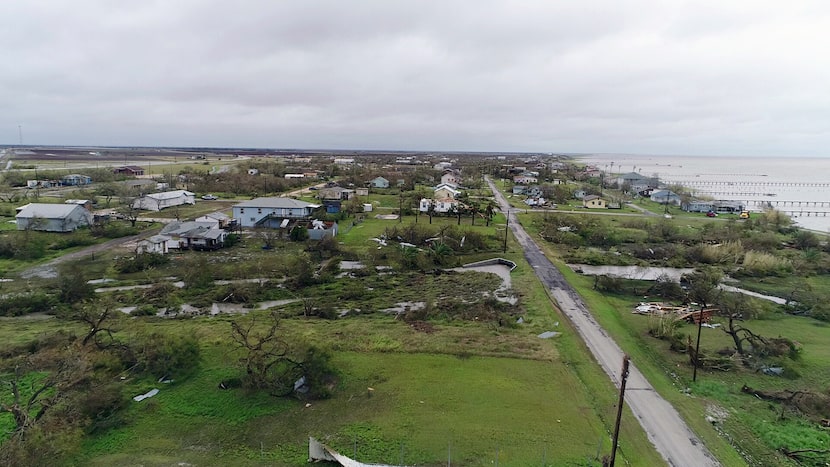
(711, 214)
(209, 197)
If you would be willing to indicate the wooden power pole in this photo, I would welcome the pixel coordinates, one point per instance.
(619, 410)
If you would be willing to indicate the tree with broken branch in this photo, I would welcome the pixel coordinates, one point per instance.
(271, 364)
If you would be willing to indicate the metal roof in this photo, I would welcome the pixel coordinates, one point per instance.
(170, 194)
(275, 202)
(47, 211)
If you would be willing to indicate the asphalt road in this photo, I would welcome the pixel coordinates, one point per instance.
(665, 428)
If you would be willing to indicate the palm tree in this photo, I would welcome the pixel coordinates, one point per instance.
(489, 211)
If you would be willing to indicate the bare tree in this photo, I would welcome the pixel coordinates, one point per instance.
(266, 356)
(44, 394)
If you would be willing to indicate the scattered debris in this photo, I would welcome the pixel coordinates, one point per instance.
(318, 451)
(149, 394)
(549, 334)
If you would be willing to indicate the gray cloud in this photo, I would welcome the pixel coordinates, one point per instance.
(708, 77)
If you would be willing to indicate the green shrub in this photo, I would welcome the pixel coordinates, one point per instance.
(168, 355)
(21, 304)
(764, 264)
(140, 262)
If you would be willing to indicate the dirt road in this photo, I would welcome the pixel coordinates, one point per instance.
(49, 269)
(665, 428)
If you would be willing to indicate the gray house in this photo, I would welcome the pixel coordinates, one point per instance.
(52, 217)
(665, 197)
(263, 212)
(379, 182)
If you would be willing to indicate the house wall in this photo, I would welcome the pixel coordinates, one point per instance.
(443, 193)
(78, 217)
(248, 217)
(149, 247)
(594, 204)
(450, 178)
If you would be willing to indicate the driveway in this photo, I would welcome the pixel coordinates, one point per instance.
(665, 428)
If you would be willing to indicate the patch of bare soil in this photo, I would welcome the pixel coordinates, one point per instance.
(422, 326)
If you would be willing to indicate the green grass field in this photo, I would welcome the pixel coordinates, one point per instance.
(476, 392)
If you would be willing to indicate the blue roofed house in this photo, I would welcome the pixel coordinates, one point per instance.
(53, 217)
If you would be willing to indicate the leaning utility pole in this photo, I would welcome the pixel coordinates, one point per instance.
(697, 346)
(619, 410)
(506, 229)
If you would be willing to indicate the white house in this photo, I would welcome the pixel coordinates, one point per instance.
(165, 199)
(155, 244)
(219, 220)
(440, 205)
(525, 179)
(52, 217)
(263, 212)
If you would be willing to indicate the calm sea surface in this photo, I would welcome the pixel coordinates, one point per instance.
(798, 186)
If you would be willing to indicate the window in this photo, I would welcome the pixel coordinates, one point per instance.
(253, 219)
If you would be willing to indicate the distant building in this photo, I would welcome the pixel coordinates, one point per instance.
(451, 177)
(336, 192)
(698, 206)
(525, 179)
(379, 182)
(132, 170)
(75, 180)
(665, 197)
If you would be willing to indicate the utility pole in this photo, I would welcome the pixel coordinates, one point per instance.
(697, 346)
(619, 410)
(506, 229)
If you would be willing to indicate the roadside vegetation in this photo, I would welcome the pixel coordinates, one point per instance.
(762, 376)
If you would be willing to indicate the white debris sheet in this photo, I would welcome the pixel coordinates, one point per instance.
(141, 397)
(318, 451)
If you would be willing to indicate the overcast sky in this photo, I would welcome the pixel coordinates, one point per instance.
(665, 77)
